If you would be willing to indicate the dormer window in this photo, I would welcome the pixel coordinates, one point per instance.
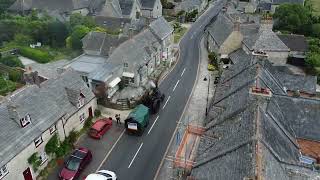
(25, 120)
(81, 100)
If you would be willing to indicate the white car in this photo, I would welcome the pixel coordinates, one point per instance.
(102, 175)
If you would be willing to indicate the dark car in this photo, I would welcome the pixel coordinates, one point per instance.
(73, 166)
(100, 127)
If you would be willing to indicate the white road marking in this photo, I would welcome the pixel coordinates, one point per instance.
(114, 145)
(166, 102)
(174, 88)
(153, 124)
(135, 156)
(183, 72)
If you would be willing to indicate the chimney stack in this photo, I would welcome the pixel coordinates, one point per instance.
(266, 23)
(236, 25)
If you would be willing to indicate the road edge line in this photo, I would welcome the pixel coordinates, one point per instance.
(182, 115)
(109, 152)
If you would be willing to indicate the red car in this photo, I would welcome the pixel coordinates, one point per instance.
(100, 127)
(75, 164)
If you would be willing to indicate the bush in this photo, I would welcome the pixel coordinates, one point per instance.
(211, 67)
(72, 138)
(64, 148)
(52, 145)
(15, 76)
(87, 123)
(36, 54)
(6, 86)
(213, 58)
(35, 161)
(97, 113)
(11, 61)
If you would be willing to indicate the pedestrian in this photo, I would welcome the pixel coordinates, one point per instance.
(118, 118)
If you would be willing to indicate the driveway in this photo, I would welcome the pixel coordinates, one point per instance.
(99, 148)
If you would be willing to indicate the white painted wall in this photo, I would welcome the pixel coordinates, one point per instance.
(19, 163)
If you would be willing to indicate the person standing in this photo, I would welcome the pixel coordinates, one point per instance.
(118, 119)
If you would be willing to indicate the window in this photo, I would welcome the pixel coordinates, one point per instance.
(38, 141)
(43, 157)
(53, 129)
(82, 117)
(125, 65)
(25, 120)
(3, 171)
(80, 102)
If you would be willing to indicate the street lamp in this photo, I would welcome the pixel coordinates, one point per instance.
(205, 79)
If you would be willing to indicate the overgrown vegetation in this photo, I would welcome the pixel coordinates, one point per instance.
(35, 161)
(11, 61)
(6, 86)
(298, 19)
(213, 61)
(167, 5)
(97, 113)
(179, 31)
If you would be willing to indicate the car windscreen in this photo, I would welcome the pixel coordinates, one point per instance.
(73, 164)
(104, 174)
(93, 131)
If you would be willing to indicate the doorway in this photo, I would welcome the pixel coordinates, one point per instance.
(27, 174)
(90, 112)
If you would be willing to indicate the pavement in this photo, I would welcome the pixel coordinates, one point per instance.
(26, 61)
(138, 157)
(194, 114)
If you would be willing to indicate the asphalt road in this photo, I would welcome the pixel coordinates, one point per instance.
(138, 157)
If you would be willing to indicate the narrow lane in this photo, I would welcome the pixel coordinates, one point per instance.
(138, 157)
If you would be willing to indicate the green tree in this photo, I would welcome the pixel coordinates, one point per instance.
(5, 4)
(294, 18)
(77, 19)
(76, 36)
(11, 61)
(22, 39)
(58, 33)
(316, 30)
(313, 59)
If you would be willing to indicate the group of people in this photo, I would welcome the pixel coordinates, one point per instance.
(117, 116)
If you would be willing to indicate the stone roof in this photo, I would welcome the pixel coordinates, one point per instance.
(287, 1)
(147, 4)
(126, 6)
(267, 40)
(134, 51)
(264, 6)
(161, 28)
(45, 105)
(102, 42)
(249, 135)
(221, 28)
(188, 5)
(56, 5)
(48, 70)
(87, 63)
(294, 42)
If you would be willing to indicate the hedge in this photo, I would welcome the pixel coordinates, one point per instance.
(11, 61)
(36, 54)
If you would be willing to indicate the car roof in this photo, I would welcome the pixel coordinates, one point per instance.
(99, 124)
(96, 177)
(79, 153)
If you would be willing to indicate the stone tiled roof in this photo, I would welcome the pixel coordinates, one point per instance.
(245, 132)
(294, 42)
(56, 5)
(287, 1)
(45, 105)
(161, 28)
(221, 28)
(126, 6)
(269, 41)
(147, 3)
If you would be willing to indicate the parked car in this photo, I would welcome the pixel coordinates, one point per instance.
(73, 166)
(102, 175)
(100, 127)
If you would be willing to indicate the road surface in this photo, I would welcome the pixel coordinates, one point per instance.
(138, 157)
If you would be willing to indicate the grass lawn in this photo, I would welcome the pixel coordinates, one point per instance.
(316, 6)
(179, 34)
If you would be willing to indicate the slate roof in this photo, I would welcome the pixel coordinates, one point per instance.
(221, 28)
(105, 72)
(48, 70)
(102, 42)
(161, 28)
(126, 6)
(240, 122)
(111, 22)
(147, 4)
(133, 51)
(267, 40)
(188, 5)
(56, 5)
(287, 1)
(264, 6)
(87, 63)
(45, 105)
(294, 42)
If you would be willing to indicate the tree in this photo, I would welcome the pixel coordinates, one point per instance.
(76, 36)
(58, 33)
(313, 59)
(294, 18)
(316, 30)
(5, 4)
(22, 39)
(77, 19)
